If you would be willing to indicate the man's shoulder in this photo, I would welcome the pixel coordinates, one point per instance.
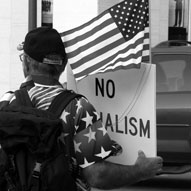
(6, 98)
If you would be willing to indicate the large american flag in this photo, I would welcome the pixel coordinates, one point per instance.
(116, 39)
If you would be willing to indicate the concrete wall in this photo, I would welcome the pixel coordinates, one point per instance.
(14, 24)
(159, 11)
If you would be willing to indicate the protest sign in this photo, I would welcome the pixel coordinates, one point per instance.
(125, 100)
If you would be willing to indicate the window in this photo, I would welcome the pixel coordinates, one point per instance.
(173, 73)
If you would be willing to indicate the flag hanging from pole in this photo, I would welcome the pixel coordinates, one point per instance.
(116, 39)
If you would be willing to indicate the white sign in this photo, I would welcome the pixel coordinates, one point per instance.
(125, 100)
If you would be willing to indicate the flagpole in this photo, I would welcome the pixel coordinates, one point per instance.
(189, 22)
(150, 30)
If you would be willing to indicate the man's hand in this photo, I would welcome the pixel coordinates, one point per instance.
(148, 166)
(107, 175)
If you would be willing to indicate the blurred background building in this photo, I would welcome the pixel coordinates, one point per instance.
(18, 17)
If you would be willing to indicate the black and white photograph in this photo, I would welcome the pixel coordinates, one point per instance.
(95, 95)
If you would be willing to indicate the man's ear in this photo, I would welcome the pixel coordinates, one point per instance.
(26, 66)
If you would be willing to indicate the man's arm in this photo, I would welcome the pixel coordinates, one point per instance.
(106, 175)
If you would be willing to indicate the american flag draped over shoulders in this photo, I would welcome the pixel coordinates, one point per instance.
(116, 39)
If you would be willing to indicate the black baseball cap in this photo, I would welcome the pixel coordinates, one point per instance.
(44, 44)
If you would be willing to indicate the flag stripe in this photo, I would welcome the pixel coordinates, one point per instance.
(106, 25)
(93, 56)
(129, 63)
(108, 51)
(93, 43)
(127, 51)
(85, 28)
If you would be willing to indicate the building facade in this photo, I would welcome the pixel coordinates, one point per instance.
(17, 18)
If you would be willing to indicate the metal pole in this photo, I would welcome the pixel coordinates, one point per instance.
(189, 21)
(32, 14)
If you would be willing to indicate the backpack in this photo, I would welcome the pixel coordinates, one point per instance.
(32, 139)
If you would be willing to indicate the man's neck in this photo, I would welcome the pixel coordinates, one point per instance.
(43, 79)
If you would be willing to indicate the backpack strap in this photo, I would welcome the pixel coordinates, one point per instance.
(23, 98)
(61, 101)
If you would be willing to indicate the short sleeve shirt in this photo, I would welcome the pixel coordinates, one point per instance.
(90, 138)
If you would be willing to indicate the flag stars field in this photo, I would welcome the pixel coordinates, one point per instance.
(103, 129)
(96, 114)
(88, 119)
(86, 163)
(90, 135)
(64, 115)
(78, 106)
(77, 146)
(103, 153)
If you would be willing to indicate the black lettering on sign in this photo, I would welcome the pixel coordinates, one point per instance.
(132, 122)
(102, 87)
(109, 123)
(131, 126)
(117, 125)
(110, 88)
(126, 125)
(144, 129)
(99, 86)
